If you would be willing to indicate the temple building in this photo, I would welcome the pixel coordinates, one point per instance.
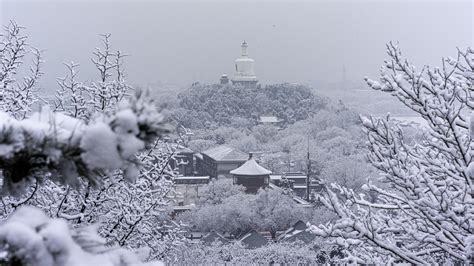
(217, 162)
(224, 79)
(244, 71)
(252, 176)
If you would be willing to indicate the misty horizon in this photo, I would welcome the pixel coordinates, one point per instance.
(185, 42)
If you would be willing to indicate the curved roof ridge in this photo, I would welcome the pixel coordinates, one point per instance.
(251, 167)
(225, 153)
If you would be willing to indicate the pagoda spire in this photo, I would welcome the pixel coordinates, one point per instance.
(244, 49)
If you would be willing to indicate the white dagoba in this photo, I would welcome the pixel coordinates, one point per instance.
(244, 72)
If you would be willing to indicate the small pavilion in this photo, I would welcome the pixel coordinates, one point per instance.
(252, 176)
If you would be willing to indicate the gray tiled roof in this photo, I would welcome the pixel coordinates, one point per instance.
(214, 237)
(226, 153)
(298, 232)
(251, 167)
(253, 240)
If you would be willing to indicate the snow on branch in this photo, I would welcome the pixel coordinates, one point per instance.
(63, 148)
(423, 212)
(83, 99)
(17, 97)
(30, 237)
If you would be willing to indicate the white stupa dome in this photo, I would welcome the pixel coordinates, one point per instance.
(244, 67)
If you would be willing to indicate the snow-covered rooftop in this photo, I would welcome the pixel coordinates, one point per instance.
(226, 153)
(213, 237)
(253, 239)
(251, 167)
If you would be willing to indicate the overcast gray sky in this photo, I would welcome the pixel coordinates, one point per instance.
(185, 41)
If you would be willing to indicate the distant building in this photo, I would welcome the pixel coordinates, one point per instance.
(276, 179)
(298, 180)
(253, 239)
(252, 176)
(213, 237)
(219, 161)
(244, 70)
(183, 161)
(224, 79)
(298, 232)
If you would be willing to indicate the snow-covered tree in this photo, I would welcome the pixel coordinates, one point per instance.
(218, 190)
(64, 148)
(282, 253)
(138, 215)
(66, 162)
(81, 99)
(30, 237)
(424, 212)
(275, 211)
(111, 86)
(72, 97)
(128, 214)
(98, 158)
(268, 210)
(134, 214)
(18, 96)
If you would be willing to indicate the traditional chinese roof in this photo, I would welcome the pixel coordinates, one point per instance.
(214, 237)
(226, 153)
(298, 232)
(300, 225)
(250, 168)
(253, 240)
(305, 236)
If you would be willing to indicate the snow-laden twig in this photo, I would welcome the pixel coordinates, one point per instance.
(66, 148)
(424, 210)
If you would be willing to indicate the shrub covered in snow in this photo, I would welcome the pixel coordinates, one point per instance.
(29, 237)
(282, 253)
(76, 163)
(61, 147)
(18, 95)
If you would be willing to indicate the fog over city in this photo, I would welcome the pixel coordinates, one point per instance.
(180, 42)
(152, 133)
